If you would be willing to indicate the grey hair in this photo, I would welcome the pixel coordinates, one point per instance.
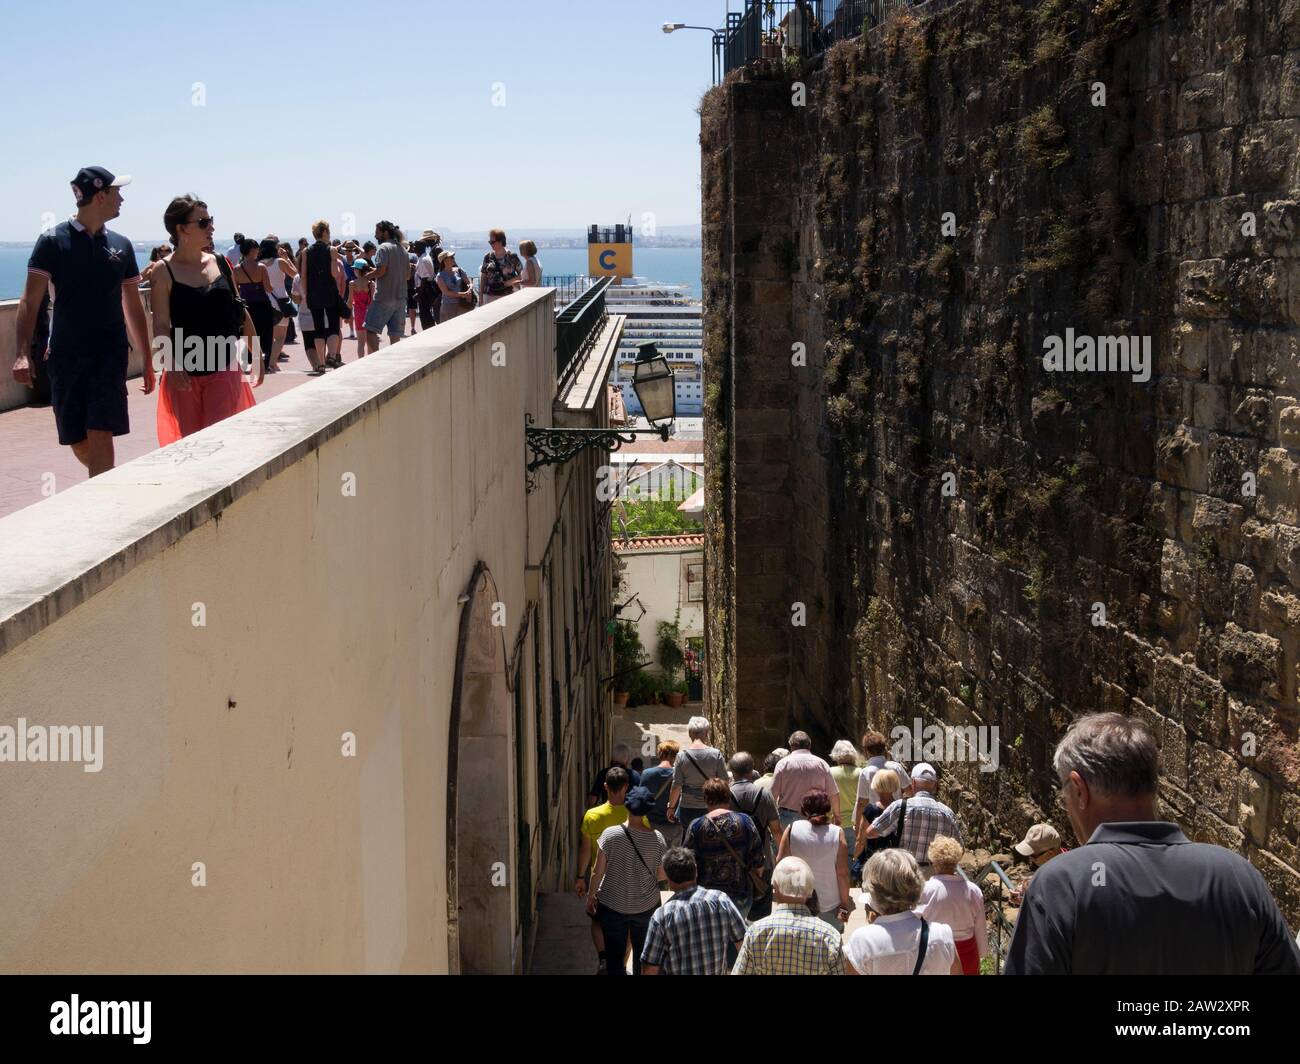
(698, 727)
(793, 878)
(844, 753)
(621, 753)
(1113, 753)
(895, 881)
(800, 740)
(741, 765)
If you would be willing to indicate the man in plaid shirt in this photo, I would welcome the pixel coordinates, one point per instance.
(926, 818)
(690, 933)
(791, 941)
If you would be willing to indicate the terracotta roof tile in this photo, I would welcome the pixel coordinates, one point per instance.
(660, 543)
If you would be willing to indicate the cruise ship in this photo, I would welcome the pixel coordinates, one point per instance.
(664, 313)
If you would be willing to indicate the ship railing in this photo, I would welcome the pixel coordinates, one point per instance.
(576, 328)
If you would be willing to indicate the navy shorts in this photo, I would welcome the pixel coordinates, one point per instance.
(88, 395)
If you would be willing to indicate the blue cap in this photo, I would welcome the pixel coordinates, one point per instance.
(639, 801)
(93, 179)
(360, 262)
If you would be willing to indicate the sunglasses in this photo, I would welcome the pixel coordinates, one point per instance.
(202, 223)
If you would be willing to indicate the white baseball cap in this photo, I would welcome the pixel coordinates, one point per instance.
(923, 770)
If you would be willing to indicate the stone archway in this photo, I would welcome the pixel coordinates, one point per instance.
(480, 843)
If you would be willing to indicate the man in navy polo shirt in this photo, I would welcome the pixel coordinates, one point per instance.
(96, 301)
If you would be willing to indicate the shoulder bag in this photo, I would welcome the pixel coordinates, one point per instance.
(756, 881)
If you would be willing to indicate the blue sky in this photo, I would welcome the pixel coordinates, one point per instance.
(378, 108)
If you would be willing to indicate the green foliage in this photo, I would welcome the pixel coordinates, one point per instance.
(671, 655)
(643, 688)
(628, 650)
(655, 517)
(1059, 249)
(1040, 140)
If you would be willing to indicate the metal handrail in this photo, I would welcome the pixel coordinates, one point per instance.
(1003, 927)
(769, 29)
(576, 329)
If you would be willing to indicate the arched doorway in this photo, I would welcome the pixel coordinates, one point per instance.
(480, 831)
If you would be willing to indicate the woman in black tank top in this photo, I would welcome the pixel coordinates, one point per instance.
(197, 326)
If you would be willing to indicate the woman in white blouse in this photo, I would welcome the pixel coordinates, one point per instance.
(891, 943)
(952, 899)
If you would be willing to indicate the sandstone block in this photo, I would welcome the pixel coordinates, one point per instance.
(1279, 487)
(1250, 661)
(1255, 794)
(1203, 289)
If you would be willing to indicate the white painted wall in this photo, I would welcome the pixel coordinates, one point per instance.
(324, 614)
(658, 578)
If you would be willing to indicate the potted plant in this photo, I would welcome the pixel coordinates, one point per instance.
(642, 689)
(671, 659)
(629, 653)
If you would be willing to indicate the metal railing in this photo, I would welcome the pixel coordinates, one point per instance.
(568, 286)
(1003, 928)
(576, 329)
(774, 29)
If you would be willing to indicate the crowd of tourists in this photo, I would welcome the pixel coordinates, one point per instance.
(221, 320)
(761, 868)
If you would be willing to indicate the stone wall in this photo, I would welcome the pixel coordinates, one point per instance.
(974, 538)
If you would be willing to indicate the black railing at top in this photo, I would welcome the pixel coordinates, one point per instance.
(774, 29)
(576, 329)
(568, 286)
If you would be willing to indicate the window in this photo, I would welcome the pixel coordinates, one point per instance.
(693, 579)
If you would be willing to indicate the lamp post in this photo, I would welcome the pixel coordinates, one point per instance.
(652, 380)
(673, 27)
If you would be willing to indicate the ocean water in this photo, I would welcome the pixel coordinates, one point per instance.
(666, 265)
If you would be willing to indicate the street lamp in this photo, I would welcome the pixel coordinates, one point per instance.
(718, 37)
(655, 389)
(652, 380)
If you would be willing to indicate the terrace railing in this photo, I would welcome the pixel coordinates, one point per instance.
(576, 329)
(772, 29)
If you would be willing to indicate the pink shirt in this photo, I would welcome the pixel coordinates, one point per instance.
(798, 773)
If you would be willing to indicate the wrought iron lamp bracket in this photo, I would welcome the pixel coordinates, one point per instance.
(556, 446)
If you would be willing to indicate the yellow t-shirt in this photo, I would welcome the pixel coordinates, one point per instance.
(597, 819)
(847, 780)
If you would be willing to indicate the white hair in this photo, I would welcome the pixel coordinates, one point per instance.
(698, 727)
(844, 753)
(793, 878)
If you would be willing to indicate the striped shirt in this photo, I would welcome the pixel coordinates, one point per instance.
(790, 942)
(927, 818)
(630, 884)
(689, 934)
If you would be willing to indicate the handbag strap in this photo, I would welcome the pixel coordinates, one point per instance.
(704, 776)
(632, 842)
(666, 784)
(921, 948)
(713, 821)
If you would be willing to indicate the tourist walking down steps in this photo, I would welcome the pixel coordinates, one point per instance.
(624, 889)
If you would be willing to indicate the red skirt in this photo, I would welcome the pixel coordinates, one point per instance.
(212, 397)
(969, 953)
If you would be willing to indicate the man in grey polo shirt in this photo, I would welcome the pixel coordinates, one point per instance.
(1139, 898)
